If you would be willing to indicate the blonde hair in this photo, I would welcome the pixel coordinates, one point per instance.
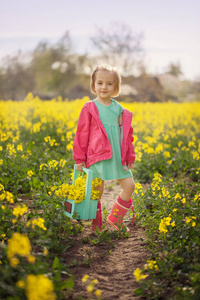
(117, 78)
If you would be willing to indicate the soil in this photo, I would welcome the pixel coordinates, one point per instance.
(112, 264)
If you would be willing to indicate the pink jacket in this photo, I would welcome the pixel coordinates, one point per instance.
(91, 143)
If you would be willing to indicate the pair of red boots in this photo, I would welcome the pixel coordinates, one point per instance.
(115, 218)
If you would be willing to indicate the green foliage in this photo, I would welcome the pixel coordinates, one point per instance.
(169, 211)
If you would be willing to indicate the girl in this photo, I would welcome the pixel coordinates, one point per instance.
(103, 142)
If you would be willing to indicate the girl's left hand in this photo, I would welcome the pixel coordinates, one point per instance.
(130, 166)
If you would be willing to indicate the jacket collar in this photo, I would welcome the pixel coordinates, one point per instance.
(93, 110)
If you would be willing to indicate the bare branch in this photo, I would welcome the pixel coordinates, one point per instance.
(118, 45)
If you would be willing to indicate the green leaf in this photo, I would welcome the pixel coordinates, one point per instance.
(68, 284)
(56, 263)
(138, 292)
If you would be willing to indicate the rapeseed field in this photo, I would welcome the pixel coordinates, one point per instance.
(36, 140)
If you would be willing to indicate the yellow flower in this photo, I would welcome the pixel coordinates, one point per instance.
(31, 259)
(183, 200)
(152, 265)
(42, 166)
(187, 220)
(20, 210)
(177, 196)
(20, 284)
(1, 187)
(85, 278)
(69, 146)
(77, 191)
(37, 222)
(30, 173)
(138, 187)
(3, 236)
(180, 143)
(157, 177)
(166, 154)
(173, 224)
(18, 244)
(138, 275)
(8, 196)
(167, 221)
(2, 196)
(53, 164)
(162, 227)
(14, 262)
(165, 192)
(36, 127)
(97, 293)
(11, 149)
(197, 197)
(90, 288)
(159, 148)
(45, 252)
(62, 163)
(195, 155)
(95, 281)
(39, 287)
(193, 224)
(19, 147)
(47, 139)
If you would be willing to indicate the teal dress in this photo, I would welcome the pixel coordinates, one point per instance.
(111, 168)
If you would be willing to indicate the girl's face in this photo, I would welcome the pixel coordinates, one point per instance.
(104, 85)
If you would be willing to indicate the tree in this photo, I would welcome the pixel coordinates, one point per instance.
(48, 71)
(175, 69)
(119, 46)
(55, 67)
(16, 78)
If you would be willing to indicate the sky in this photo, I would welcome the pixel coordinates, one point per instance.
(170, 28)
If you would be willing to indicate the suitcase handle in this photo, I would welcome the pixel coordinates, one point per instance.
(87, 189)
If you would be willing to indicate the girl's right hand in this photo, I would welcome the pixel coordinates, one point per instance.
(79, 166)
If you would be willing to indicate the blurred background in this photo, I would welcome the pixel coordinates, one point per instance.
(49, 48)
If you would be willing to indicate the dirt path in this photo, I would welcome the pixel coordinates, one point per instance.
(112, 264)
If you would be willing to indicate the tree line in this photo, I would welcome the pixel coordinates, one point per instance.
(52, 70)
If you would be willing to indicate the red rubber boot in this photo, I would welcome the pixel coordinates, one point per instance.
(120, 208)
(98, 221)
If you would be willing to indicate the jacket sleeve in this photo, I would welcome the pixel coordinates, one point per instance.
(130, 157)
(82, 136)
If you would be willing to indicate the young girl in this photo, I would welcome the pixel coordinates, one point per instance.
(103, 142)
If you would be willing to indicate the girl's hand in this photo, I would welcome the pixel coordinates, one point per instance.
(79, 166)
(130, 166)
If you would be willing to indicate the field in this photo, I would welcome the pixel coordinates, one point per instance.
(36, 139)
